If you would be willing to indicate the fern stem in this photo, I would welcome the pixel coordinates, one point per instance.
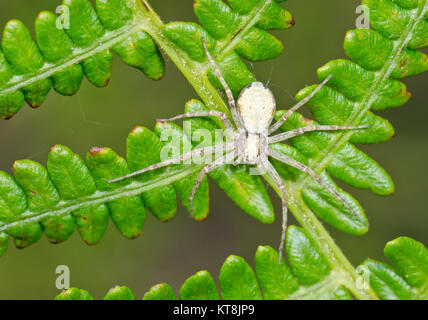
(342, 269)
(335, 257)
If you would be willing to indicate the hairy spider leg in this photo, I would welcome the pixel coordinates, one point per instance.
(285, 117)
(297, 132)
(231, 100)
(284, 197)
(197, 152)
(300, 166)
(209, 113)
(226, 159)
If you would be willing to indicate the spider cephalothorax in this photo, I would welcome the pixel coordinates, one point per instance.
(249, 141)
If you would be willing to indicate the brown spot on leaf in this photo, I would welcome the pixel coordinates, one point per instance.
(95, 151)
(136, 129)
(202, 219)
(7, 116)
(34, 106)
(307, 120)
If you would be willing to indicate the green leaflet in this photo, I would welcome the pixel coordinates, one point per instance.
(411, 260)
(24, 57)
(276, 280)
(386, 282)
(13, 206)
(238, 280)
(257, 38)
(119, 293)
(73, 180)
(200, 286)
(274, 16)
(162, 291)
(407, 278)
(10, 103)
(144, 149)
(127, 213)
(217, 18)
(141, 52)
(42, 195)
(188, 37)
(85, 28)
(176, 143)
(4, 240)
(55, 46)
(138, 50)
(331, 210)
(354, 82)
(74, 294)
(307, 263)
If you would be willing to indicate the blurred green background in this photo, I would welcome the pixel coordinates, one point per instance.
(171, 252)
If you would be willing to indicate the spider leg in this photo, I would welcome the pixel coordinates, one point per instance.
(207, 169)
(285, 117)
(235, 115)
(300, 166)
(280, 185)
(297, 132)
(181, 158)
(211, 113)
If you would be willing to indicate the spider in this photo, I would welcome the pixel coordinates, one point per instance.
(253, 114)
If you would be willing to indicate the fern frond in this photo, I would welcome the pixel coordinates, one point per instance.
(307, 277)
(366, 82)
(60, 57)
(70, 193)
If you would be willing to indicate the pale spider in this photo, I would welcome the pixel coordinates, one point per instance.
(253, 115)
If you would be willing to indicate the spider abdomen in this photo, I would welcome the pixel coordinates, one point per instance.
(256, 106)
